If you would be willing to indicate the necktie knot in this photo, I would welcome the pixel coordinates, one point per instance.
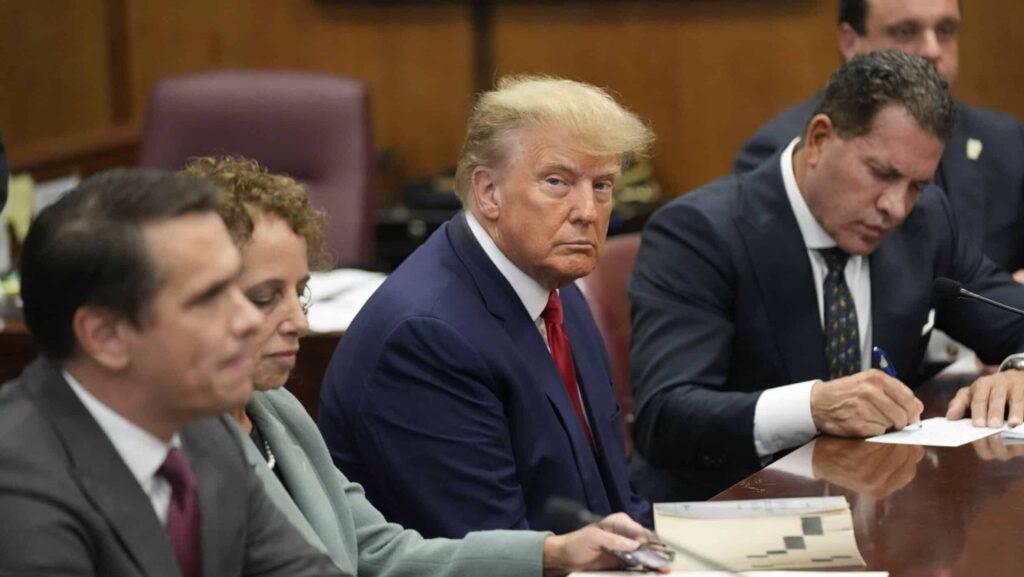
(835, 259)
(178, 472)
(553, 311)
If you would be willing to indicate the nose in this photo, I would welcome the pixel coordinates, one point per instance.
(896, 203)
(584, 204)
(929, 47)
(247, 318)
(296, 323)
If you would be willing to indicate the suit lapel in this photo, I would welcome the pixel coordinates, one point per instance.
(770, 233)
(898, 313)
(307, 504)
(957, 171)
(592, 375)
(502, 301)
(103, 476)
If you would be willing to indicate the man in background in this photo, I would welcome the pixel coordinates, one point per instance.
(981, 167)
(474, 385)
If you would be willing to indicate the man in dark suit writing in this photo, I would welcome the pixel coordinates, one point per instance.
(112, 461)
(980, 167)
(474, 386)
(757, 298)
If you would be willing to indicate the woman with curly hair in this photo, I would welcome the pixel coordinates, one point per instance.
(279, 234)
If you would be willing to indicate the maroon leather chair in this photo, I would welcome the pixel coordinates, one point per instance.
(313, 127)
(605, 289)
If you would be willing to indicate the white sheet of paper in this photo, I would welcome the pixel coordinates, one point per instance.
(745, 574)
(937, 432)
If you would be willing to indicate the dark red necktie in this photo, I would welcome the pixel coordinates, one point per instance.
(183, 513)
(559, 344)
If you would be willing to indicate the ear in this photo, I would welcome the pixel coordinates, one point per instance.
(849, 41)
(101, 335)
(485, 192)
(820, 132)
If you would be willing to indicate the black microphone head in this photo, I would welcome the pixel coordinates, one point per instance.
(564, 515)
(946, 287)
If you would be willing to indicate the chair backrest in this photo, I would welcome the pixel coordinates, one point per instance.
(605, 289)
(313, 127)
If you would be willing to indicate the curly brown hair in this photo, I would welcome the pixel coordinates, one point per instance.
(246, 186)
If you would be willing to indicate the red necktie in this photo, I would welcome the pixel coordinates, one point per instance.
(559, 344)
(183, 513)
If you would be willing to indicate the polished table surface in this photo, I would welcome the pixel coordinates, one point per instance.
(932, 511)
(17, 350)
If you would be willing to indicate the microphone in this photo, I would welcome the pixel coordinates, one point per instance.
(949, 288)
(571, 515)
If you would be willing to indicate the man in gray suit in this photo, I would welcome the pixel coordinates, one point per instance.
(113, 460)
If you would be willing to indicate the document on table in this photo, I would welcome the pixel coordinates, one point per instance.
(745, 574)
(938, 432)
(796, 533)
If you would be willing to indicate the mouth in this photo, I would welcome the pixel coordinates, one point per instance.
(287, 357)
(875, 232)
(580, 244)
(241, 361)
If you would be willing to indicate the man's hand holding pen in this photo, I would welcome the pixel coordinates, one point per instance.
(863, 405)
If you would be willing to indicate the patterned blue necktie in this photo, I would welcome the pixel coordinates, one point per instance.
(842, 339)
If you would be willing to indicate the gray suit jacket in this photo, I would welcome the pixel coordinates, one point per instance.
(333, 514)
(70, 506)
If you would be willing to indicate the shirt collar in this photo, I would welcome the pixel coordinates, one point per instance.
(814, 236)
(141, 451)
(533, 296)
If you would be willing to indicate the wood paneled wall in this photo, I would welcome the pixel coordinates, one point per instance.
(704, 72)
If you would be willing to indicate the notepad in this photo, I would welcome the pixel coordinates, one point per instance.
(939, 432)
(744, 574)
(800, 533)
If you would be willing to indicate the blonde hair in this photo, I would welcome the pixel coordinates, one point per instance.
(245, 186)
(597, 124)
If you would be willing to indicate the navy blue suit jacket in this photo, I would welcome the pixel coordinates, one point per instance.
(987, 193)
(724, 306)
(444, 402)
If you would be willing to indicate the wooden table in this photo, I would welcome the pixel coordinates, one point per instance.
(17, 350)
(932, 511)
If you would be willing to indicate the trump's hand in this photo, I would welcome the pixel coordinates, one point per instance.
(988, 399)
(863, 405)
(583, 550)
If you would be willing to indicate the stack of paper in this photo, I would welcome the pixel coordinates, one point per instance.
(766, 534)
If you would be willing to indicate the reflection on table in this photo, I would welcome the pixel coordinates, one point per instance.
(931, 511)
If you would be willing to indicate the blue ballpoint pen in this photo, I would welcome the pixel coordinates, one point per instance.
(882, 360)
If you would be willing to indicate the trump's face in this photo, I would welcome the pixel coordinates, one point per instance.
(547, 207)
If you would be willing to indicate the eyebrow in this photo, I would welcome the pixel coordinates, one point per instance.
(215, 288)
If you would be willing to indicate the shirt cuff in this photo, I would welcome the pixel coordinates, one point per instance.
(782, 418)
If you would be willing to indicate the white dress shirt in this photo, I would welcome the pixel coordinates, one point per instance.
(533, 296)
(141, 452)
(782, 417)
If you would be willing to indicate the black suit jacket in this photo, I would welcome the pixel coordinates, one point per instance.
(724, 306)
(987, 193)
(70, 506)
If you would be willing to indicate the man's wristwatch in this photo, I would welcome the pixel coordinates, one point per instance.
(1013, 362)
